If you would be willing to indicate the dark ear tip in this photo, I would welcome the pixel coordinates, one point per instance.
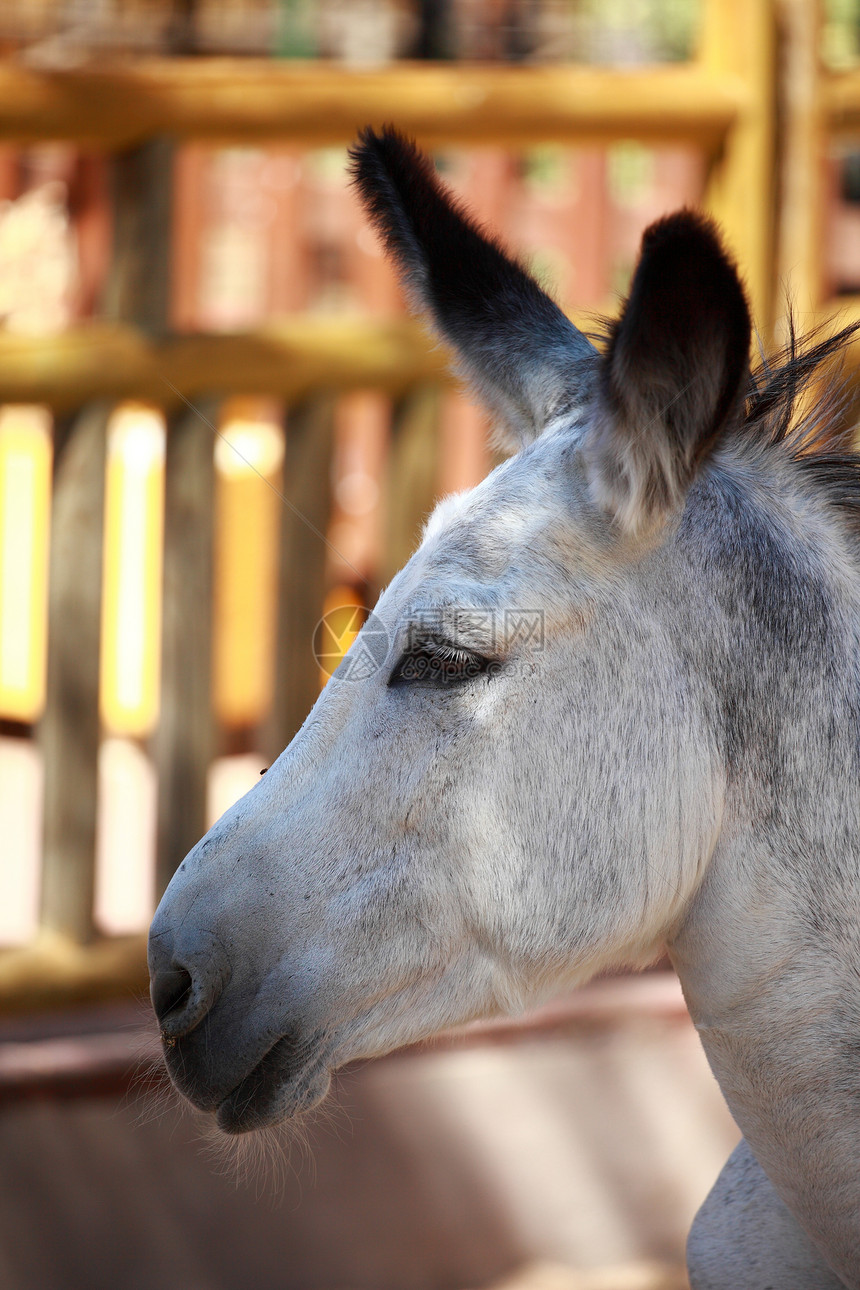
(362, 153)
(691, 237)
(685, 268)
(691, 227)
(382, 148)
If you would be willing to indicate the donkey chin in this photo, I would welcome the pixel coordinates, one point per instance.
(291, 1077)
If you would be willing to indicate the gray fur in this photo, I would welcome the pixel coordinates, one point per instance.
(726, 1251)
(676, 760)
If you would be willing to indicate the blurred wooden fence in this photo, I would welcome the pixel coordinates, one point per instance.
(724, 102)
(820, 124)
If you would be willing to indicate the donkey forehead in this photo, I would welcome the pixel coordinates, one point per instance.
(530, 517)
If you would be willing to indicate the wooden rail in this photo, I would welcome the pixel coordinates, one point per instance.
(119, 362)
(56, 972)
(253, 101)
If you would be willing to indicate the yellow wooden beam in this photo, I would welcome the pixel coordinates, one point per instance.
(294, 358)
(841, 311)
(54, 972)
(112, 361)
(738, 40)
(802, 198)
(840, 102)
(248, 100)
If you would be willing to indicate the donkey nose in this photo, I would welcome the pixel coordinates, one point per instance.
(188, 970)
(182, 999)
(169, 990)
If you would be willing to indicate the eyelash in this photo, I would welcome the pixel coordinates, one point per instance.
(440, 664)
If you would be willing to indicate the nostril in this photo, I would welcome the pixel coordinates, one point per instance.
(185, 981)
(169, 990)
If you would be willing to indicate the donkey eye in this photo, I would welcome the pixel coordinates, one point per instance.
(440, 664)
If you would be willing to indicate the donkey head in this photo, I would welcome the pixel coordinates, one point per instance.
(525, 788)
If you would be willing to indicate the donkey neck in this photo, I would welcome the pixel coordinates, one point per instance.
(771, 980)
(769, 951)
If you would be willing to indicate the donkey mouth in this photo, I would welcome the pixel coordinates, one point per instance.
(279, 1087)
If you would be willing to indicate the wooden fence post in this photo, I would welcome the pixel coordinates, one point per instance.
(139, 293)
(69, 731)
(185, 739)
(801, 205)
(738, 41)
(138, 288)
(412, 486)
(307, 490)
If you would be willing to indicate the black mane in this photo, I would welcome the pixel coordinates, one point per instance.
(819, 439)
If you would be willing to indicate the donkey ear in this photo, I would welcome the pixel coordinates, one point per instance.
(673, 376)
(526, 359)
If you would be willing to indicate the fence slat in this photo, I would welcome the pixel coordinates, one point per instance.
(186, 738)
(138, 286)
(307, 489)
(412, 483)
(802, 197)
(69, 731)
(739, 41)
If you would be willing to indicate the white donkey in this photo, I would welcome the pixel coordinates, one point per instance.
(617, 705)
